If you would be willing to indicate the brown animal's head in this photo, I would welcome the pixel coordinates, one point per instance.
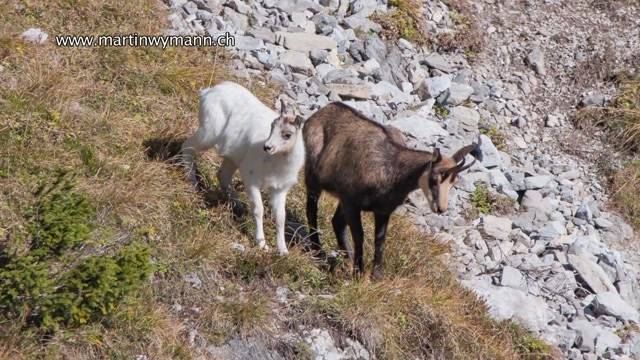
(285, 130)
(437, 180)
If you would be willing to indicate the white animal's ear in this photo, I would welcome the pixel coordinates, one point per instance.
(298, 122)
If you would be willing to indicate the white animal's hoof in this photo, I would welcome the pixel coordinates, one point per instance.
(261, 243)
(283, 252)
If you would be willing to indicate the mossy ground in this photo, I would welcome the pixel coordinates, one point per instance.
(113, 116)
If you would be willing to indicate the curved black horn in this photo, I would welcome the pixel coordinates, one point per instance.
(460, 154)
(476, 153)
(463, 168)
(282, 106)
(459, 168)
(454, 170)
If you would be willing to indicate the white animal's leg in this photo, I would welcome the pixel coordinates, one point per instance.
(258, 211)
(278, 201)
(190, 148)
(225, 176)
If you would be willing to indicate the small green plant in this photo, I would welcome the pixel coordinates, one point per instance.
(481, 200)
(403, 21)
(497, 137)
(484, 201)
(441, 110)
(61, 218)
(51, 285)
(527, 345)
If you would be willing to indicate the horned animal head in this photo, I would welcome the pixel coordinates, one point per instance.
(437, 179)
(285, 130)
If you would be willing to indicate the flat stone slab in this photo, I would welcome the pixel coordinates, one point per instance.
(351, 91)
(304, 42)
(591, 273)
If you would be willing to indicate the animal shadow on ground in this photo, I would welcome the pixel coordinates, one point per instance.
(167, 149)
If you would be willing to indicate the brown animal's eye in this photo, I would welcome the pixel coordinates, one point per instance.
(286, 136)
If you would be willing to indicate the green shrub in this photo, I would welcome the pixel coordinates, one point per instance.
(480, 199)
(52, 284)
(484, 201)
(61, 218)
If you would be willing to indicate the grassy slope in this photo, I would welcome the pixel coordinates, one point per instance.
(100, 112)
(620, 120)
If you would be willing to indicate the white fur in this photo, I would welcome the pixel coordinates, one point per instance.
(237, 124)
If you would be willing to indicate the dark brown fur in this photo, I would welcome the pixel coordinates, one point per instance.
(367, 167)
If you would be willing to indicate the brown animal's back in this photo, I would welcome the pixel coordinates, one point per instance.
(339, 140)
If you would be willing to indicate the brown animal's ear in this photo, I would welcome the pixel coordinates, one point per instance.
(437, 157)
(460, 154)
(460, 167)
(298, 121)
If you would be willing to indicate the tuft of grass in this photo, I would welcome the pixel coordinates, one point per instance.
(498, 138)
(620, 122)
(248, 314)
(625, 186)
(484, 201)
(403, 20)
(467, 36)
(529, 346)
(621, 119)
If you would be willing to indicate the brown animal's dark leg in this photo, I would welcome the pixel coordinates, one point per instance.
(340, 229)
(313, 194)
(352, 215)
(381, 220)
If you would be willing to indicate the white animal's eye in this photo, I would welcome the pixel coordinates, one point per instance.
(286, 136)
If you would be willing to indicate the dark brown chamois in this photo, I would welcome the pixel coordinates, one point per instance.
(368, 168)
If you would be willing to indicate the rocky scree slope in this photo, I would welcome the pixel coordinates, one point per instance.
(553, 258)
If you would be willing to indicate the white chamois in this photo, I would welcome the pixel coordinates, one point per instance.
(266, 147)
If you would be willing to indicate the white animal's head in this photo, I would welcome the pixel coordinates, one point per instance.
(285, 130)
(439, 178)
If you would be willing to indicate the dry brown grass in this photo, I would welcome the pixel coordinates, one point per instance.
(403, 20)
(467, 36)
(619, 123)
(621, 118)
(625, 186)
(598, 66)
(113, 116)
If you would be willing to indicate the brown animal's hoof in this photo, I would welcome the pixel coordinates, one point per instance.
(377, 274)
(357, 274)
